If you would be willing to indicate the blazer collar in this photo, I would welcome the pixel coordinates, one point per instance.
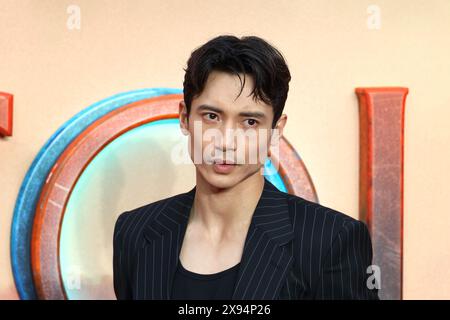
(264, 260)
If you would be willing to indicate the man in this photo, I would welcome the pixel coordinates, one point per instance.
(235, 235)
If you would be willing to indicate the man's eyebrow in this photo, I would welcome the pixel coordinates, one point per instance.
(254, 114)
(210, 108)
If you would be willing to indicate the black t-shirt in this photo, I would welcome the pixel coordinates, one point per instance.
(216, 286)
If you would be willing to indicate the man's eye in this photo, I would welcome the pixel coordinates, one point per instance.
(251, 122)
(210, 116)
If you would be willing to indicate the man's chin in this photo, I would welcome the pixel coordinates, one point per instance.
(221, 181)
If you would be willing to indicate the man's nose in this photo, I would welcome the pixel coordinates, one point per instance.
(229, 139)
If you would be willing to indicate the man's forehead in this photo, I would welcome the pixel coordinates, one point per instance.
(223, 100)
(227, 87)
(223, 91)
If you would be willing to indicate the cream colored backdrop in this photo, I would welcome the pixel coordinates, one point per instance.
(123, 45)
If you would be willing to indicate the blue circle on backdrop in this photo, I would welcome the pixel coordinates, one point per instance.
(25, 207)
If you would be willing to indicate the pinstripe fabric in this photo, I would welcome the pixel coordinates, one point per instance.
(294, 249)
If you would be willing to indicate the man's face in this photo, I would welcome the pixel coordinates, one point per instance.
(225, 128)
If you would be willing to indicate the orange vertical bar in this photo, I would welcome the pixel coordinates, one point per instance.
(381, 119)
(6, 114)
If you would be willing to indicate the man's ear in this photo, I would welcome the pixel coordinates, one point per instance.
(281, 123)
(184, 118)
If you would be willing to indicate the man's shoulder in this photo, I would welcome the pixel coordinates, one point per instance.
(318, 229)
(320, 218)
(138, 216)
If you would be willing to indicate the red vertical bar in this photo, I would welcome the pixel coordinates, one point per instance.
(381, 117)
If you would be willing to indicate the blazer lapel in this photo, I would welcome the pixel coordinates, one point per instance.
(164, 237)
(264, 261)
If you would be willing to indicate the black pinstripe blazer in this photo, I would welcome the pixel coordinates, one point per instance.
(294, 249)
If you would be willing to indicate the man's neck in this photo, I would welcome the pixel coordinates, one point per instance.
(223, 211)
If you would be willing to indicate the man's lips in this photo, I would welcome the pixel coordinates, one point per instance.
(224, 162)
(223, 167)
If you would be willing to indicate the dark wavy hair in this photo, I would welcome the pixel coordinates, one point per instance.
(249, 55)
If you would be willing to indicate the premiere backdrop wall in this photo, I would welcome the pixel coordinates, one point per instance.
(54, 72)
